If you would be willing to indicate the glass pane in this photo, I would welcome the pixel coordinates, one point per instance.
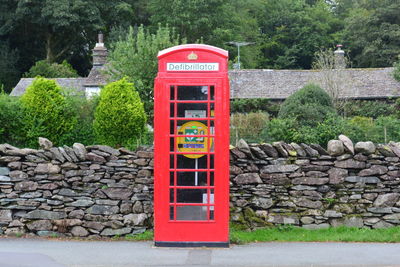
(212, 92)
(171, 212)
(211, 145)
(211, 161)
(211, 178)
(212, 213)
(171, 110)
(192, 178)
(192, 163)
(171, 178)
(171, 196)
(212, 108)
(191, 213)
(171, 161)
(172, 92)
(171, 127)
(192, 92)
(190, 195)
(171, 144)
(192, 110)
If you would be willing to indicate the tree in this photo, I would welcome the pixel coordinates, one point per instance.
(135, 56)
(372, 33)
(45, 112)
(8, 66)
(292, 31)
(308, 106)
(119, 117)
(396, 71)
(51, 70)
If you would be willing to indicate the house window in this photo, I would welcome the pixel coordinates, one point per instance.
(92, 91)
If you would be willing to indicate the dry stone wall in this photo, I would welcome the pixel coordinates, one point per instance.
(98, 191)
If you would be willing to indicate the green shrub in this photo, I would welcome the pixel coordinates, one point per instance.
(281, 130)
(82, 109)
(248, 126)
(368, 108)
(11, 130)
(307, 106)
(45, 112)
(46, 69)
(360, 128)
(246, 105)
(396, 71)
(119, 117)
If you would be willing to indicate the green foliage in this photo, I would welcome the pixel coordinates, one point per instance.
(281, 130)
(46, 69)
(307, 106)
(135, 56)
(45, 112)
(8, 66)
(248, 126)
(11, 123)
(396, 71)
(368, 108)
(246, 105)
(119, 117)
(82, 110)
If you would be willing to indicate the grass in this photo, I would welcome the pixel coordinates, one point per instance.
(333, 234)
(297, 234)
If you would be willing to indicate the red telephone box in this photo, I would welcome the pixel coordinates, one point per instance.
(191, 145)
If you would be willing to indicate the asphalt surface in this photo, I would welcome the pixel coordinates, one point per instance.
(52, 253)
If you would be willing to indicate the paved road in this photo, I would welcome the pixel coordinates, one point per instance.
(45, 253)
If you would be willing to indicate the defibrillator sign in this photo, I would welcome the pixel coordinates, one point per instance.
(196, 144)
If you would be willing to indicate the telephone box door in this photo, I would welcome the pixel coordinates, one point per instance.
(191, 161)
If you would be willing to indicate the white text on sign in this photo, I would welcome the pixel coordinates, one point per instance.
(192, 66)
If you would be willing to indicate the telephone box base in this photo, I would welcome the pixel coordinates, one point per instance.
(192, 244)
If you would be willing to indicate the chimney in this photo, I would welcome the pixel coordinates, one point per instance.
(340, 61)
(99, 52)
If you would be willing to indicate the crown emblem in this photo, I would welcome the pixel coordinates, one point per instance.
(192, 56)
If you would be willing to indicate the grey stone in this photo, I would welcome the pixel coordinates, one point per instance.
(290, 150)
(67, 192)
(304, 202)
(40, 225)
(310, 181)
(7, 159)
(35, 194)
(76, 214)
(18, 176)
(350, 164)
(243, 146)
(118, 193)
(279, 168)
(348, 144)
(44, 214)
(113, 232)
(102, 210)
(385, 150)
(283, 219)
(395, 147)
(307, 220)
(392, 218)
(94, 225)
(45, 143)
(5, 216)
(95, 158)
(71, 153)
(79, 231)
(359, 179)
(64, 154)
(386, 200)
(316, 226)
(81, 203)
(4, 171)
(269, 150)
(26, 186)
(303, 188)
(239, 154)
(248, 178)
(80, 151)
(106, 149)
(299, 150)
(337, 175)
(366, 148)
(47, 168)
(258, 152)
(47, 233)
(263, 203)
(281, 150)
(321, 151)
(333, 214)
(380, 210)
(374, 170)
(335, 148)
(57, 154)
(135, 219)
(353, 221)
(309, 150)
(382, 224)
(4, 179)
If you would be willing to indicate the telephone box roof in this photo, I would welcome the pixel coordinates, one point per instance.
(208, 48)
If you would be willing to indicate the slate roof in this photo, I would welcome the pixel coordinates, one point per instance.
(71, 83)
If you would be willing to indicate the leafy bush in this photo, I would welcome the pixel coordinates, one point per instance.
(119, 116)
(281, 130)
(396, 71)
(368, 108)
(248, 126)
(46, 69)
(307, 106)
(11, 130)
(246, 105)
(82, 109)
(45, 112)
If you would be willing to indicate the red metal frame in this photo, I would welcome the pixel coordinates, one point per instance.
(214, 229)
